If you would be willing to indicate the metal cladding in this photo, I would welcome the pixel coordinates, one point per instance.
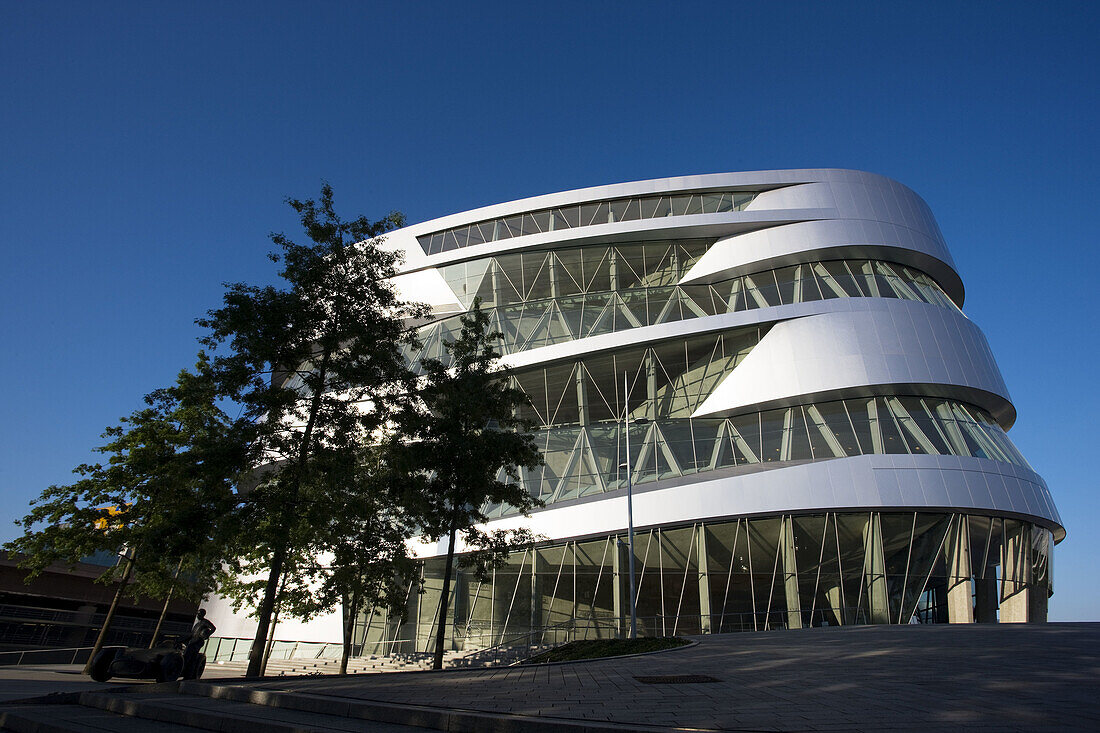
(795, 338)
(818, 434)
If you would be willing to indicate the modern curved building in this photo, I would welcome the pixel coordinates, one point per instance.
(817, 431)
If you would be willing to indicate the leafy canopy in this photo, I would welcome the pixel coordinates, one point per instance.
(464, 439)
(316, 362)
(162, 495)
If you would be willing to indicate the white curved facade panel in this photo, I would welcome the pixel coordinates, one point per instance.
(828, 239)
(804, 394)
(797, 363)
(928, 483)
(817, 196)
(817, 434)
(875, 342)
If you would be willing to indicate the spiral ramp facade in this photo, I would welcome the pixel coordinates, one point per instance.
(817, 431)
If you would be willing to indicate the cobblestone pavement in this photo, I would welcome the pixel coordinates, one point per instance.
(34, 680)
(977, 677)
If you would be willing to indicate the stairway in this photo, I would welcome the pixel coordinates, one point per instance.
(356, 665)
(196, 705)
(197, 709)
(495, 656)
(405, 662)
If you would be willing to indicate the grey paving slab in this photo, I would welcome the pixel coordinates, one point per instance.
(69, 718)
(31, 681)
(237, 717)
(863, 678)
(24, 681)
(969, 678)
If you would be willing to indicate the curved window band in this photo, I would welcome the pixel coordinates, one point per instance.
(585, 460)
(586, 214)
(543, 321)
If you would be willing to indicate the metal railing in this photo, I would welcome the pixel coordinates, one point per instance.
(71, 655)
(235, 649)
(10, 613)
(486, 641)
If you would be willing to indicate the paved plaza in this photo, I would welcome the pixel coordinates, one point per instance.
(865, 678)
(33, 680)
(882, 678)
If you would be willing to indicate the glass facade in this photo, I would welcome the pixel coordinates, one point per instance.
(541, 298)
(905, 540)
(583, 215)
(578, 406)
(788, 571)
(755, 573)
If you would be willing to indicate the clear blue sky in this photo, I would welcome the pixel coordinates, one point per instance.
(146, 149)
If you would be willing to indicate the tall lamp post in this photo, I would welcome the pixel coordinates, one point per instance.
(630, 507)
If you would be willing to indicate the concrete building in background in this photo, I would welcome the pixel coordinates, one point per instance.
(817, 430)
(64, 608)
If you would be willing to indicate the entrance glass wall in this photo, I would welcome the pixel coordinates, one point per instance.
(789, 571)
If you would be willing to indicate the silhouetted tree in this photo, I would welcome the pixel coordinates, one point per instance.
(162, 499)
(462, 445)
(316, 363)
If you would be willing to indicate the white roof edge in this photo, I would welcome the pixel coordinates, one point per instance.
(635, 188)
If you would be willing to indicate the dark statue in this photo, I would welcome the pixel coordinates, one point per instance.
(166, 662)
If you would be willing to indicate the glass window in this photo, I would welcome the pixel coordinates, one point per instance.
(570, 215)
(653, 271)
(680, 205)
(745, 430)
(619, 210)
(859, 412)
(807, 285)
(713, 203)
(797, 437)
(785, 281)
(586, 214)
(475, 236)
(892, 440)
(771, 434)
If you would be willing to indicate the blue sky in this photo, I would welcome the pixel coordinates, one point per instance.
(146, 149)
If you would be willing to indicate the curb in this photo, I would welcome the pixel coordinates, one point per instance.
(519, 665)
(454, 720)
(73, 698)
(13, 721)
(212, 720)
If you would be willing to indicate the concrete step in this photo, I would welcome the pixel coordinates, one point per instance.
(77, 718)
(239, 709)
(404, 714)
(328, 667)
(190, 712)
(372, 664)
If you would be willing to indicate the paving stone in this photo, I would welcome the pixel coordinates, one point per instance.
(70, 718)
(970, 678)
(206, 713)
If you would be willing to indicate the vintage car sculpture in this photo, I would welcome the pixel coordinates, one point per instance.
(164, 663)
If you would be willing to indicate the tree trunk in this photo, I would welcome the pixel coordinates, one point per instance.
(352, 609)
(110, 614)
(441, 624)
(258, 653)
(269, 642)
(257, 657)
(167, 600)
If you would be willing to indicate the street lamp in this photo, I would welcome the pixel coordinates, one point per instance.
(630, 506)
